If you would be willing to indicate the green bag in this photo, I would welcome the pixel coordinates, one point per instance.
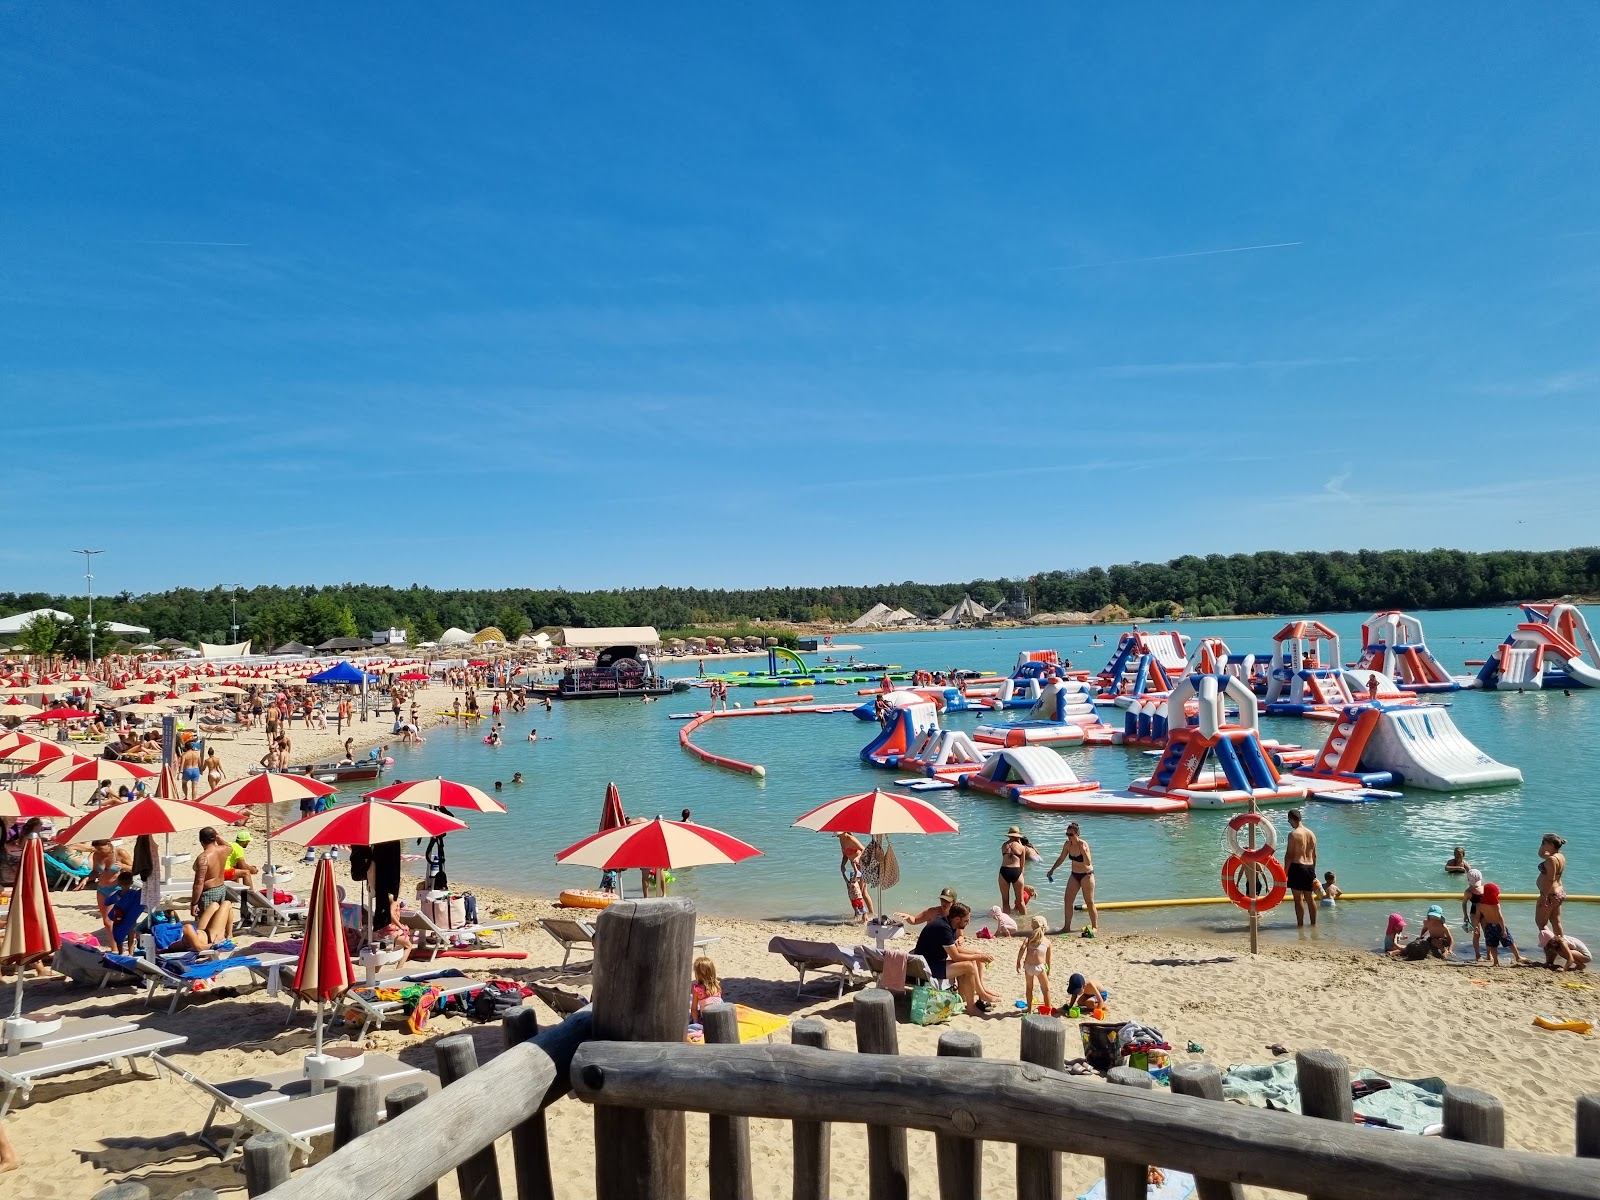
(930, 1006)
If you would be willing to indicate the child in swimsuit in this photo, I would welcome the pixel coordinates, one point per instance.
(706, 989)
(1469, 910)
(1033, 960)
(1493, 924)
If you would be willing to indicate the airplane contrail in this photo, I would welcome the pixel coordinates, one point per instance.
(1118, 262)
(154, 242)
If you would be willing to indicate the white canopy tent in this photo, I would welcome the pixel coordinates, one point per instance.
(599, 639)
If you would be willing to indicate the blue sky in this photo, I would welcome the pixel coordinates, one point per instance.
(635, 294)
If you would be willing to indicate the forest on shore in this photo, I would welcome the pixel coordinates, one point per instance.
(1213, 585)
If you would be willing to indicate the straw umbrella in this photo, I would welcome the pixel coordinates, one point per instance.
(656, 845)
(877, 814)
(323, 972)
(30, 935)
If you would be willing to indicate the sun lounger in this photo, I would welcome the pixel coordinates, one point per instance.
(72, 1029)
(569, 933)
(62, 876)
(822, 958)
(19, 1072)
(917, 970)
(284, 1102)
(257, 910)
(375, 1012)
(560, 998)
(432, 937)
(264, 969)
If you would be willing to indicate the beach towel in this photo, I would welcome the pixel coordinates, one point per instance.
(893, 976)
(1174, 1186)
(1411, 1104)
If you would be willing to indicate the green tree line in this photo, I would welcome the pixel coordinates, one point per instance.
(1213, 585)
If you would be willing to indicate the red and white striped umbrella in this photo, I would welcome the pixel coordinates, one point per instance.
(10, 741)
(877, 812)
(323, 972)
(151, 815)
(368, 824)
(272, 788)
(20, 806)
(30, 933)
(611, 814)
(97, 769)
(439, 793)
(652, 845)
(35, 750)
(49, 768)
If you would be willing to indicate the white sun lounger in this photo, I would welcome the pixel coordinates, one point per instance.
(19, 1072)
(569, 933)
(156, 974)
(432, 937)
(73, 1029)
(284, 1103)
(822, 958)
(257, 910)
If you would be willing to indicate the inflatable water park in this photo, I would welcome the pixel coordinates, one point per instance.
(1551, 648)
(1199, 717)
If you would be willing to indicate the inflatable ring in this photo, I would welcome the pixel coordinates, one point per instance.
(1262, 852)
(577, 898)
(1236, 867)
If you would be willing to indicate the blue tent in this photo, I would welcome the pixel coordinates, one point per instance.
(342, 672)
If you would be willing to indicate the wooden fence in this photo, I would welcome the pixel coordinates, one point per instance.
(625, 1056)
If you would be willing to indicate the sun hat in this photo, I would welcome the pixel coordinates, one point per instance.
(1544, 938)
(243, 837)
(1014, 831)
(1474, 877)
(1491, 893)
(1396, 924)
(948, 895)
(1435, 910)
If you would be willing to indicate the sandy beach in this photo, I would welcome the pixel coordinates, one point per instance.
(1466, 1023)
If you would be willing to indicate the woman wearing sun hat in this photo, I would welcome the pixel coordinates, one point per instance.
(1015, 853)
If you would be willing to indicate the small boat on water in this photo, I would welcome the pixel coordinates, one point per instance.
(333, 772)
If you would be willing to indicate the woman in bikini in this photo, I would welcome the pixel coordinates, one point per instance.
(1552, 866)
(1014, 855)
(850, 851)
(1082, 880)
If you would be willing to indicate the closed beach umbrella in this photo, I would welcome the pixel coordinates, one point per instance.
(16, 806)
(611, 814)
(323, 972)
(656, 845)
(438, 793)
(367, 824)
(31, 933)
(266, 790)
(152, 815)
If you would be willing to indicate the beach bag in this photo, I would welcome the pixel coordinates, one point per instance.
(1100, 1046)
(931, 1006)
(447, 912)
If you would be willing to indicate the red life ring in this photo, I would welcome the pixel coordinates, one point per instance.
(1264, 850)
(1235, 867)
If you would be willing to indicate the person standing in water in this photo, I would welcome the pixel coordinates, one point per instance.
(1552, 866)
(1300, 857)
(1082, 880)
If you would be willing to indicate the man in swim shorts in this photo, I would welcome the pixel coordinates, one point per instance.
(190, 762)
(1300, 857)
(208, 872)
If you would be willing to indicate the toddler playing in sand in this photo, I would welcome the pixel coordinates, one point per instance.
(1033, 960)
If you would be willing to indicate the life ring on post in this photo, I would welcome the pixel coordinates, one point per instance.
(1266, 846)
(1238, 869)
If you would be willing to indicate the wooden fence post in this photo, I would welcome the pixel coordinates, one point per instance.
(479, 1177)
(404, 1099)
(266, 1162)
(530, 1141)
(1044, 1044)
(1128, 1180)
(643, 960)
(355, 1108)
(1473, 1116)
(888, 1162)
(730, 1136)
(1324, 1080)
(813, 1140)
(1204, 1081)
(960, 1159)
(1588, 1117)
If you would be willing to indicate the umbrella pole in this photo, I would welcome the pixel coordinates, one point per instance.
(16, 1006)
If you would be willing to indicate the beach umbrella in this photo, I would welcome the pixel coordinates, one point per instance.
(114, 769)
(414, 677)
(611, 814)
(64, 714)
(656, 845)
(267, 790)
(30, 933)
(35, 750)
(55, 766)
(20, 806)
(323, 972)
(438, 793)
(10, 741)
(367, 824)
(878, 814)
(152, 815)
(18, 709)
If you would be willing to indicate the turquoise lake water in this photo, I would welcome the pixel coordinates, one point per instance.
(1395, 846)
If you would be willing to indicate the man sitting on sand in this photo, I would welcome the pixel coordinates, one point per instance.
(940, 946)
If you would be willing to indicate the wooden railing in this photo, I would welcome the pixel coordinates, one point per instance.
(625, 1056)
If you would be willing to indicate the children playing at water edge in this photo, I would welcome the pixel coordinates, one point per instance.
(1329, 891)
(1033, 960)
(1394, 936)
(1493, 924)
(706, 989)
(1563, 952)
